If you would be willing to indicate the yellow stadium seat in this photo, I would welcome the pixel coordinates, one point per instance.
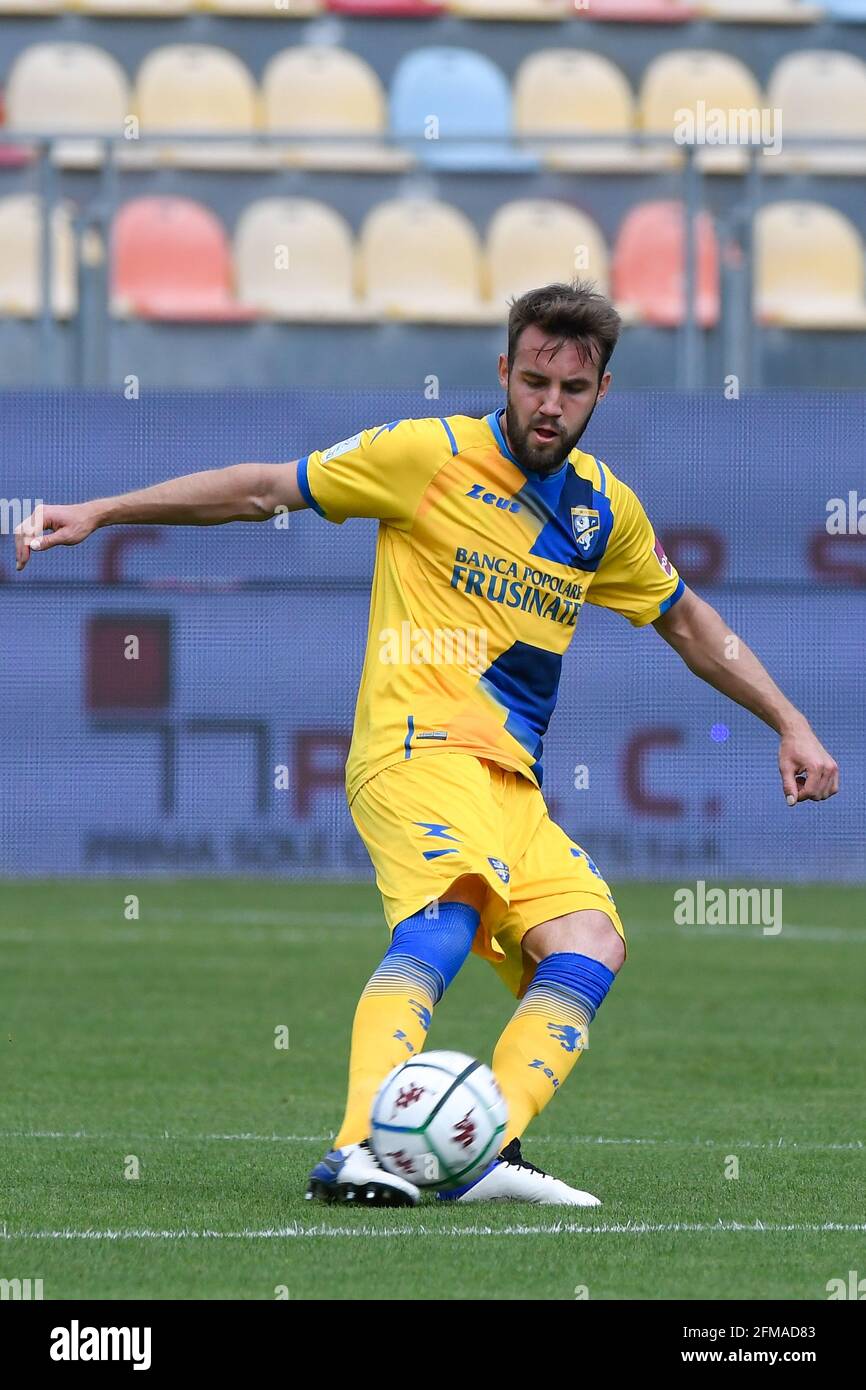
(148, 9)
(295, 260)
(820, 92)
(20, 259)
(266, 9)
(328, 92)
(537, 241)
(198, 88)
(533, 11)
(699, 82)
(31, 6)
(761, 11)
(809, 268)
(60, 87)
(564, 91)
(420, 261)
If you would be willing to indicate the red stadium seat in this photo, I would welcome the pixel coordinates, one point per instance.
(171, 260)
(12, 156)
(388, 9)
(649, 266)
(640, 11)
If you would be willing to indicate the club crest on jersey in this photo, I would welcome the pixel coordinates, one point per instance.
(585, 523)
(500, 869)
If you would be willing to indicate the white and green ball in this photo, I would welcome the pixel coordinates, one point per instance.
(438, 1119)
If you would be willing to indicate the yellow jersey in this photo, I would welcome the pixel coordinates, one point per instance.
(481, 571)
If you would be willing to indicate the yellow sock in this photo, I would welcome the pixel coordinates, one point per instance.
(538, 1050)
(391, 1023)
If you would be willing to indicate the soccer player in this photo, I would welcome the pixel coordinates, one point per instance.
(493, 533)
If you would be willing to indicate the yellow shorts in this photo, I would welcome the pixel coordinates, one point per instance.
(429, 821)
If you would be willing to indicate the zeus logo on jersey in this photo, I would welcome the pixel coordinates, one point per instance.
(505, 504)
(500, 868)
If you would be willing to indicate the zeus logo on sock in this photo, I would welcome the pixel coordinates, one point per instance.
(538, 1065)
(569, 1038)
(422, 1014)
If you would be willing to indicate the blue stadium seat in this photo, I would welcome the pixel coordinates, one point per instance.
(469, 97)
(846, 9)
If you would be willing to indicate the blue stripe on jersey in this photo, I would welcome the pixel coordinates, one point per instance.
(603, 478)
(304, 485)
(674, 597)
(552, 500)
(410, 729)
(525, 680)
(494, 420)
(447, 428)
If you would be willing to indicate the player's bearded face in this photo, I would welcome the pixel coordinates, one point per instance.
(553, 389)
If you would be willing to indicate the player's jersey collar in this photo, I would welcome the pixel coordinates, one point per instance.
(494, 420)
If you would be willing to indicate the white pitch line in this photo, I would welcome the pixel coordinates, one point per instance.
(410, 1230)
(772, 1145)
(155, 1138)
(299, 929)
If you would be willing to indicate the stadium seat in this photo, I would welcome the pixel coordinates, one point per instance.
(147, 9)
(649, 266)
(295, 259)
(420, 261)
(820, 92)
(12, 156)
(698, 80)
(266, 9)
(846, 9)
(67, 87)
(564, 91)
(21, 259)
(640, 11)
(809, 268)
(198, 88)
(387, 9)
(171, 261)
(28, 7)
(537, 241)
(763, 11)
(471, 101)
(329, 92)
(533, 11)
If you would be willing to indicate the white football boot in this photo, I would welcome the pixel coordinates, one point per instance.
(353, 1176)
(511, 1179)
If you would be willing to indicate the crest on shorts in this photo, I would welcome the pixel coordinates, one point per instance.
(500, 868)
(585, 524)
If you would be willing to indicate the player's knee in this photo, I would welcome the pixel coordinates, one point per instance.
(588, 933)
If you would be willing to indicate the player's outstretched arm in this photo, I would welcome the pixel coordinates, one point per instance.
(242, 492)
(706, 644)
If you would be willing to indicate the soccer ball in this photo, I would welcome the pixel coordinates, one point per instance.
(438, 1119)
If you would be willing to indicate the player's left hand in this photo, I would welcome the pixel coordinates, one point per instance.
(808, 771)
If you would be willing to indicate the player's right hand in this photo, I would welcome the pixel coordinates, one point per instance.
(48, 526)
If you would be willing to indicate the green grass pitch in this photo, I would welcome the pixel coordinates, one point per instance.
(149, 1044)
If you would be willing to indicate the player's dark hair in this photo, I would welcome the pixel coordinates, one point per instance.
(576, 312)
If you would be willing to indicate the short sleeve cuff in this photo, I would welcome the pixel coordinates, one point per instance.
(304, 485)
(654, 613)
